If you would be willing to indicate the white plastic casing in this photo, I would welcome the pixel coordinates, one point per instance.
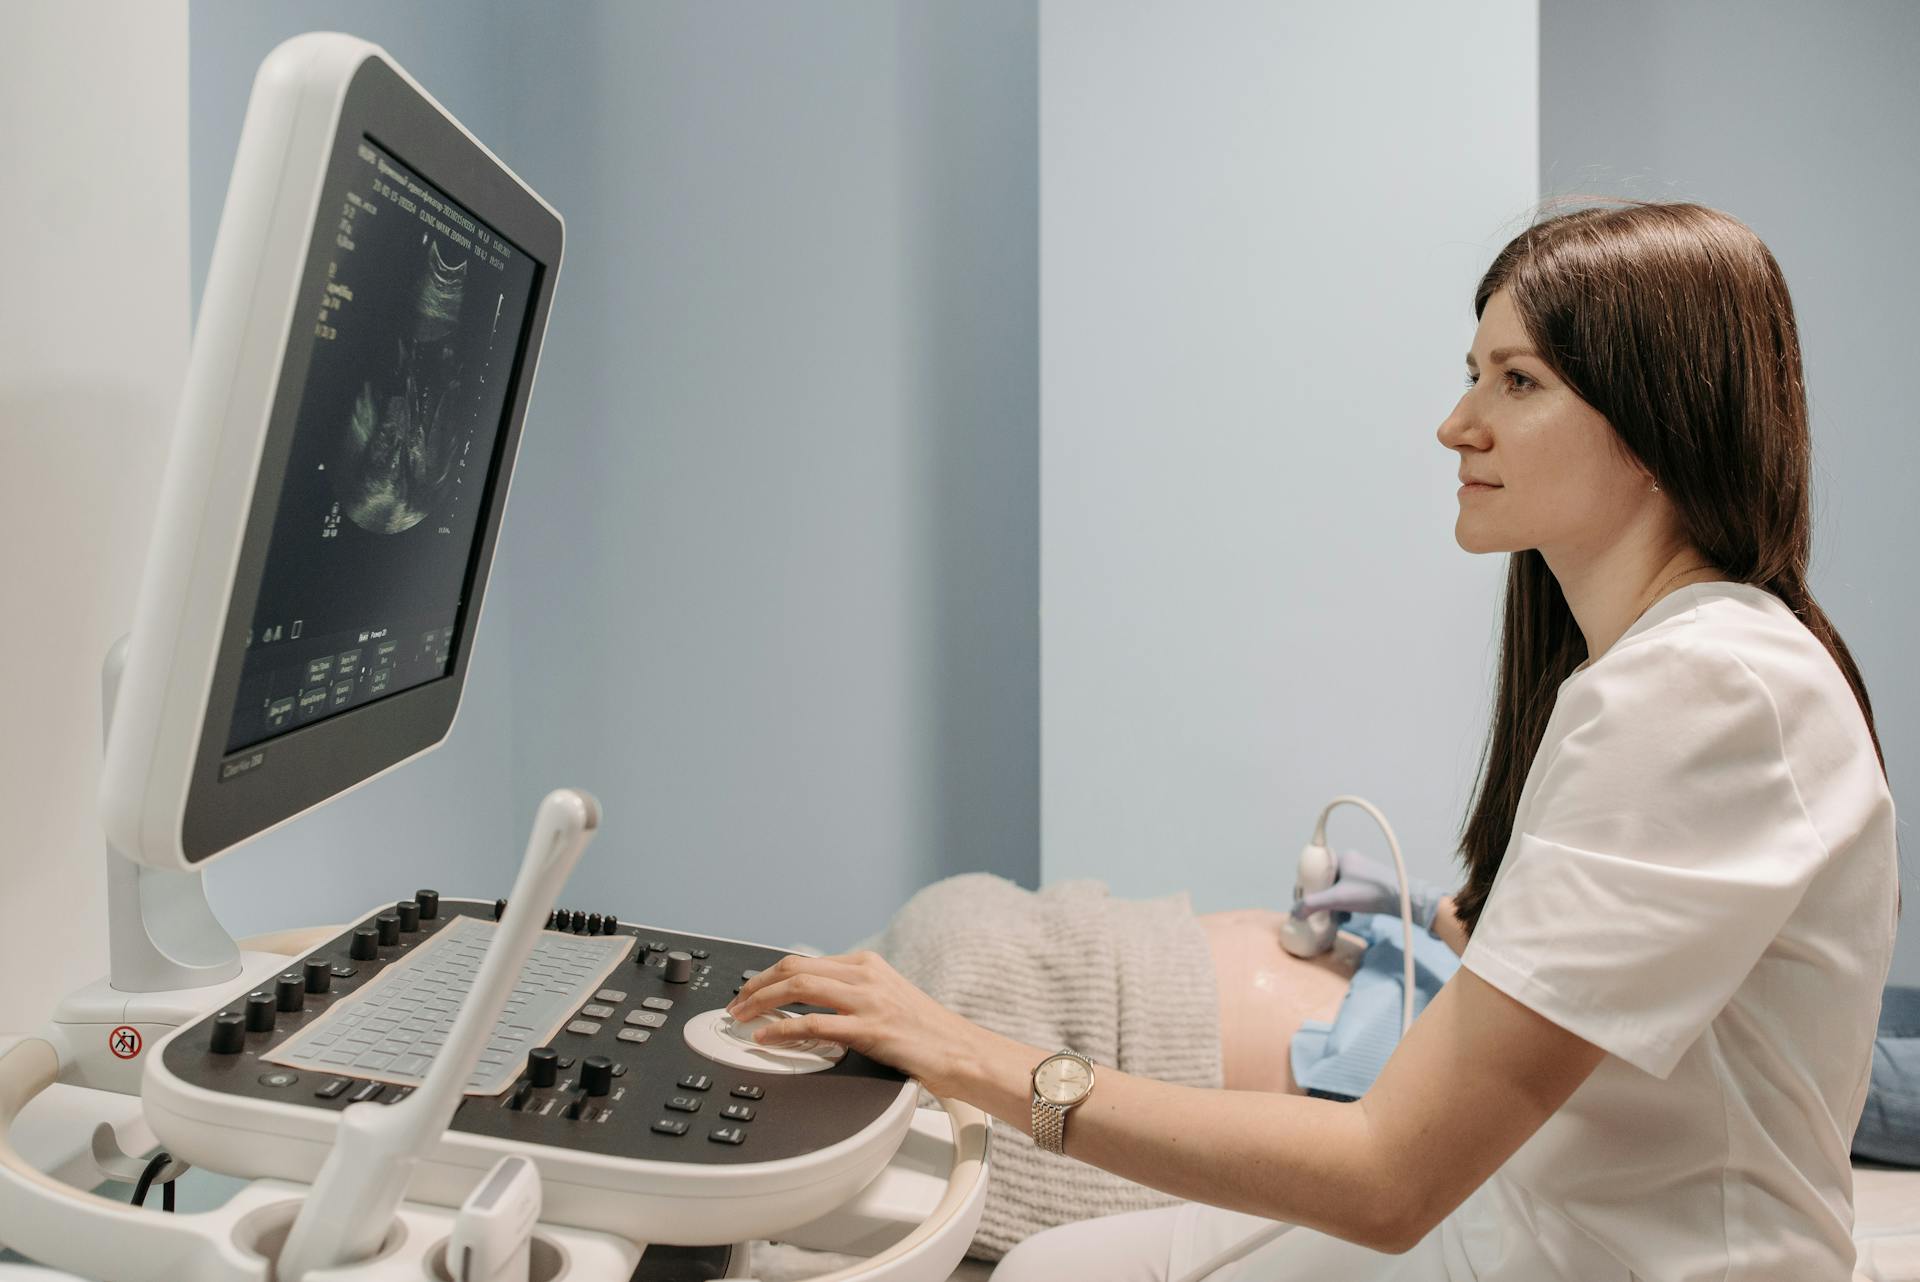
(207, 490)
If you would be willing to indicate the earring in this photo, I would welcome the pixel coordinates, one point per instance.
(1656, 487)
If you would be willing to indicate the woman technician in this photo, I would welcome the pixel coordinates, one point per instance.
(1681, 876)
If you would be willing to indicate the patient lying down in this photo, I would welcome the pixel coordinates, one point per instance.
(1266, 993)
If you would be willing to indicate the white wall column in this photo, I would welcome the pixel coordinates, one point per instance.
(93, 345)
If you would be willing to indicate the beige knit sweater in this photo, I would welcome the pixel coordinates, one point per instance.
(1127, 983)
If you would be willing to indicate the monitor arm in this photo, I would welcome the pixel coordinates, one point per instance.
(162, 934)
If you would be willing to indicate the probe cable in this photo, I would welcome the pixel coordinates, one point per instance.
(157, 1163)
(1255, 1241)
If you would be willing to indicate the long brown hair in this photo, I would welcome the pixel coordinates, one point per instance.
(1673, 321)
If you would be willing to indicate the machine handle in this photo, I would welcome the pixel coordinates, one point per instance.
(966, 1181)
(45, 1219)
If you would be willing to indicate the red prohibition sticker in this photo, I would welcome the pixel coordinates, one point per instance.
(124, 1041)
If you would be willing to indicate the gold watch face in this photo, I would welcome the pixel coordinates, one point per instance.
(1062, 1080)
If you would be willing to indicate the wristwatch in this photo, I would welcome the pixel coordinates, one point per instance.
(1061, 1082)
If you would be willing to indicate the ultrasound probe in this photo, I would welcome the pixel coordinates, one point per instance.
(354, 1198)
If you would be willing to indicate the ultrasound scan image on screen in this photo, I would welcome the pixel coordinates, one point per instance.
(415, 324)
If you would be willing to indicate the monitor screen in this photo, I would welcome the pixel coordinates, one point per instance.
(415, 324)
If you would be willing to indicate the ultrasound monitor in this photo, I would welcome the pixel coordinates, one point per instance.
(360, 372)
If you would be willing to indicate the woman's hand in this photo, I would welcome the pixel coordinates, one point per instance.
(879, 1013)
(1363, 886)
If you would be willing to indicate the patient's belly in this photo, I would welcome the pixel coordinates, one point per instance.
(1266, 993)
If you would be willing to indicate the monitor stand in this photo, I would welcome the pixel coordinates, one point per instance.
(162, 933)
(170, 960)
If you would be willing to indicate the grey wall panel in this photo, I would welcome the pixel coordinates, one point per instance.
(782, 614)
(1261, 228)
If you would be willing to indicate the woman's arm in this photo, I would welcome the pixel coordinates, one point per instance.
(1472, 1080)
(1447, 928)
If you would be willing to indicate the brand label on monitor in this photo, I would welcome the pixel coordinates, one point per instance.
(240, 765)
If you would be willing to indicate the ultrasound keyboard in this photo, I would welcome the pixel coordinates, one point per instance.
(648, 1110)
(390, 1029)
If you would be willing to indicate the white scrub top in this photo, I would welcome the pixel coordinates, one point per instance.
(1701, 881)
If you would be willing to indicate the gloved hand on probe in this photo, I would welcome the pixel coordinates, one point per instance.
(1364, 886)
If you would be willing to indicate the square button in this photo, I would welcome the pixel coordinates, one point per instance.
(738, 1112)
(748, 1092)
(597, 1012)
(646, 1018)
(610, 995)
(670, 1126)
(584, 1027)
(728, 1135)
(696, 1081)
(658, 1003)
(633, 1034)
(684, 1104)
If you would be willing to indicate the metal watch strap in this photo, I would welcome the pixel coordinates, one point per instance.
(1049, 1125)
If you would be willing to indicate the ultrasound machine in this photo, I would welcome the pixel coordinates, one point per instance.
(464, 1089)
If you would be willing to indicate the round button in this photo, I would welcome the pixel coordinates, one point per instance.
(679, 967)
(366, 944)
(409, 914)
(279, 1079)
(289, 992)
(428, 902)
(543, 1065)
(318, 976)
(229, 1033)
(596, 1074)
(260, 1011)
(388, 926)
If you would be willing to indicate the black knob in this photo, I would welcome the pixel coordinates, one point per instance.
(259, 1011)
(288, 993)
(319, 976)
(388, 924)
(596, 1074)
(609, 924)
(366, 944)
(409, 914)
(429, 902)
(679, 967)
(543, 1063)
(579, 921)
(499, 909)
(593, 923)
(229, 1033)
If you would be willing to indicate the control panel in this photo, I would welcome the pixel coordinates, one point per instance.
(645, 1076)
